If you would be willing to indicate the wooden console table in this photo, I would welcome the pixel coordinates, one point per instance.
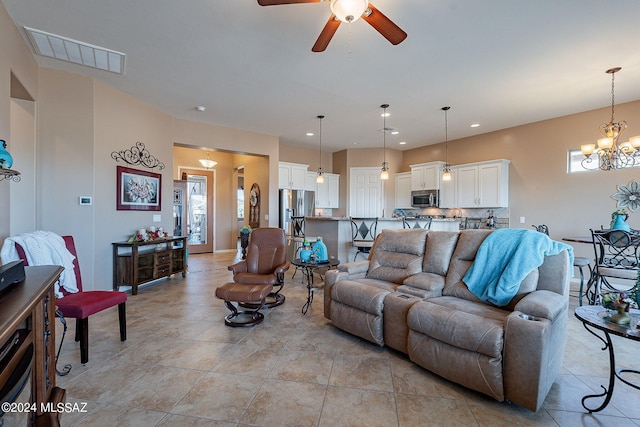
(27, 315)
(135, 263)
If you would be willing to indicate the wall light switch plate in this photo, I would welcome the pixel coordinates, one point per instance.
(522, 221)
(157, 217)
(266, 217)
(85, 200)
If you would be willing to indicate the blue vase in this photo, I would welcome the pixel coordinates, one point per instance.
(620, 224)
(305, 254)
(320, 249)
(6, 161)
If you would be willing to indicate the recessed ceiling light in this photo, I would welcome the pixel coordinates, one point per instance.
(395, 132)
(402, 142)
(356, 143)
(475, 125)
(201, 108)
(309, 133)
(385, 114)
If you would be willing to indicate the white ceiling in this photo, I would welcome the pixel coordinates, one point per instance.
(500, 63)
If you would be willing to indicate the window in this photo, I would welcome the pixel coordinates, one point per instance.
(574, 162)
(240, 194)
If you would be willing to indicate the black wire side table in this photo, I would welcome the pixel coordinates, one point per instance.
(308, 269)
(595, 316)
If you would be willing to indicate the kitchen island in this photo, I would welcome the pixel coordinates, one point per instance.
(336, 232)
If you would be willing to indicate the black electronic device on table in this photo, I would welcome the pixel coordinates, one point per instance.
(11, 273)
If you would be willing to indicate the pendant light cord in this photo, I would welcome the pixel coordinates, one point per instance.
(446, 136)
(320, 134)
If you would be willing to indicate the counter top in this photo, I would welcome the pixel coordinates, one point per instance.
(346, 218)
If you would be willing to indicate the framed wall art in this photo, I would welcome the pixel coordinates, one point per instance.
(138, 190)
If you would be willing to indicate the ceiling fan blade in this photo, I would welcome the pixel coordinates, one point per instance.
(277, 2)
(384, 26)
(326, 35)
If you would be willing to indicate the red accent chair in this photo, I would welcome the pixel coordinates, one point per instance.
(82, 304)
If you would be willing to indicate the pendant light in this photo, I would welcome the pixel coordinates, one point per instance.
(208, 163)
(320, 177)
(446, 176)
(384, 173)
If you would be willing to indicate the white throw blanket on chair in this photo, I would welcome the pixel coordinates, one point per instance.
(43, 248)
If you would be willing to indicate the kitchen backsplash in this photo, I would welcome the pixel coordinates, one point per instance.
(500, 215)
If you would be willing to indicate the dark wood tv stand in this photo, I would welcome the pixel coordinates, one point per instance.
(135, 263)
(30, 307)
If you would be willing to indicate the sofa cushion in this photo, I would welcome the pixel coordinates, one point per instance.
(459, 340)
(359, 295)
(429, 282)
(464, 324)
(468, 243)
(438, 251)
(397, 254)
(358, 308)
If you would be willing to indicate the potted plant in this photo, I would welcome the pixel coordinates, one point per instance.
(618, 220)
(244, 239)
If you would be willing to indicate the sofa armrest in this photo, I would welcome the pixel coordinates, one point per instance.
(543, 304)
(356, 267)
(238, 267)
(331, 277)
(534, 342)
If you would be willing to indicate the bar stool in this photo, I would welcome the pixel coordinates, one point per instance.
(298, 236)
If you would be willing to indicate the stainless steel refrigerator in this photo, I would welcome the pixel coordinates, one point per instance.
(295, 203)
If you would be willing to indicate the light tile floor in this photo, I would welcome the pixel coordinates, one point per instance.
(181, 366)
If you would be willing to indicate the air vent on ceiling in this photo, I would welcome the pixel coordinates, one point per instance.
(65, 49)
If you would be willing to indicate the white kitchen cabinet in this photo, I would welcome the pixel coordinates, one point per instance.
(310, 185)
(483, 185)
(426, 176)
(448, 193)
(403, 190)
(328, 193)
(292, 176)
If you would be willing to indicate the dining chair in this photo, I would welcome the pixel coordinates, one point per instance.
(416, 223)
(473, 223)
(617, 255)
(578, 261)
(82, 304)
(363, 234)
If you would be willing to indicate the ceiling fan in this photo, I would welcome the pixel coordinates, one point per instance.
(348, 11)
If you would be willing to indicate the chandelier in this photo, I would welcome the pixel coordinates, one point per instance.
(609, 152)
(384, 172)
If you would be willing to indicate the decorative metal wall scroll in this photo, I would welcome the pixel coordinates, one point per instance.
(9, 175)
(137, 155)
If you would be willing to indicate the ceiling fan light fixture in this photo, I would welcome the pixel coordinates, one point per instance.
(348, 10)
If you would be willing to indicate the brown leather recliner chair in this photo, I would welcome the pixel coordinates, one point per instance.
(258, 279)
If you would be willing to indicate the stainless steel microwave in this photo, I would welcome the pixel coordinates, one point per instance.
(425, 199)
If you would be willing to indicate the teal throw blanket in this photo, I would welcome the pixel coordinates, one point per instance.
(505, 258)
